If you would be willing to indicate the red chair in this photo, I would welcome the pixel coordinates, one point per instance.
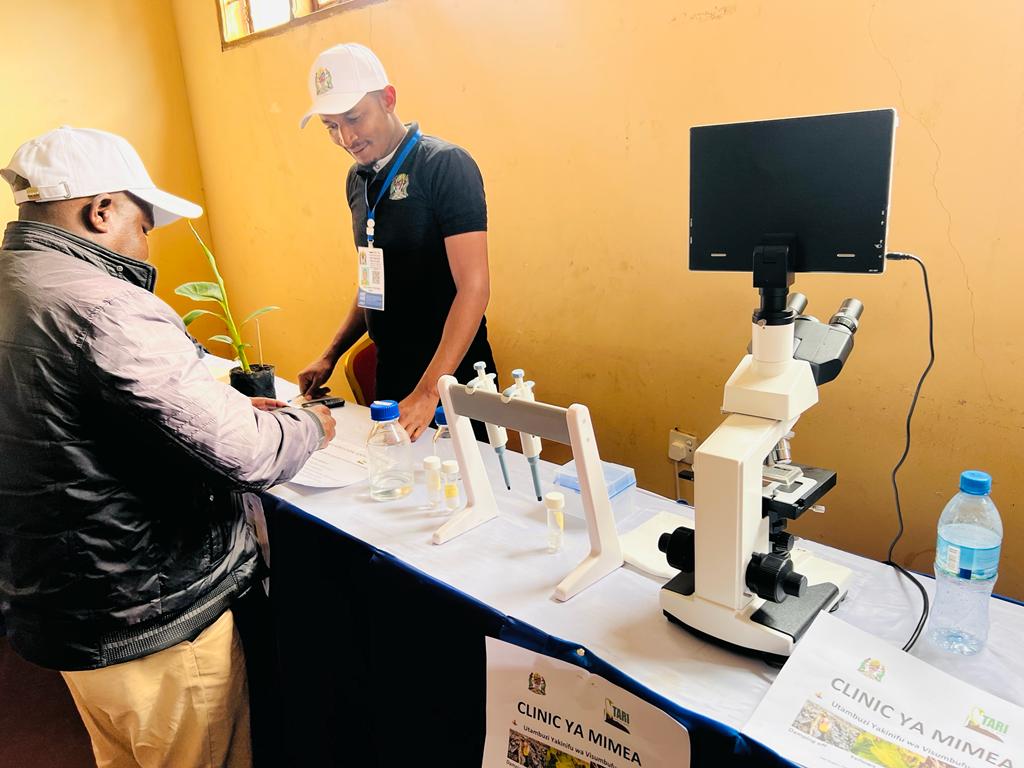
(360, 364)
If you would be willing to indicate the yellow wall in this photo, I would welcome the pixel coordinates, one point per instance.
(577, 112)
(113, 65)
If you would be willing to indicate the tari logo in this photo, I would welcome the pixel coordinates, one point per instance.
(615, 716)
(322, 81)
(537, 684)
(978, 721)
(399, 187)
(873, 669)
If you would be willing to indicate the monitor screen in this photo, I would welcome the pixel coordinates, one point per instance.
(820, 182)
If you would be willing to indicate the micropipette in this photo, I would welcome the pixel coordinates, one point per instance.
(531, 444)
(496, 436)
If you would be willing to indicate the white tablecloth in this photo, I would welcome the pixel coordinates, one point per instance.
(504, 563)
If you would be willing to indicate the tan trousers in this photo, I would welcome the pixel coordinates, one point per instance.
(184, 707)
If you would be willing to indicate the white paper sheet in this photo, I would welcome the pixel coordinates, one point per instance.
(543, 712)
(846, 698)
(219, 367)
(640, 545)
(340, 464)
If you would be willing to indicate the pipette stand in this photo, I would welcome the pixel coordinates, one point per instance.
(571, 426)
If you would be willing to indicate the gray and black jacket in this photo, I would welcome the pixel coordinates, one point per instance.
(122, 459)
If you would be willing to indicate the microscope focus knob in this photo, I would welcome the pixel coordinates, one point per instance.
(782, 542)
(678, 548)
(772, 577)
(794, 584)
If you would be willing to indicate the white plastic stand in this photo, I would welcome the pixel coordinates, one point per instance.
(570, 426)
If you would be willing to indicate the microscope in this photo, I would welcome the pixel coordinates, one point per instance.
(774, 198)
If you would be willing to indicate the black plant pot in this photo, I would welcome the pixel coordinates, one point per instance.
(258, 383)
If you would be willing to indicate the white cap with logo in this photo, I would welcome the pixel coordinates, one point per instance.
(340, 77)
(70, 162)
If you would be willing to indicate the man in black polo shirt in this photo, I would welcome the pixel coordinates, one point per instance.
(423, 280)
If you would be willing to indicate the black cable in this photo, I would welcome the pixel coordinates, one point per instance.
(906, 451)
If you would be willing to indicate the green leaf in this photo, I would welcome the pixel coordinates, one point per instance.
(221, 337)
(200, 291)
(209, 255)
(258, 312)
(196, 313)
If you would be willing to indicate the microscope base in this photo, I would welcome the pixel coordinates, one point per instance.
(761, 627)
(776, 659)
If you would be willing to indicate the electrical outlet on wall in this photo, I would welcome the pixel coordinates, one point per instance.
(681, 446)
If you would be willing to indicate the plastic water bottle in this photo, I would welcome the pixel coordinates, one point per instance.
(966, 562)
(388, 453)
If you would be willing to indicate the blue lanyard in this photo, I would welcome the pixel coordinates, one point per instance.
(387, 183)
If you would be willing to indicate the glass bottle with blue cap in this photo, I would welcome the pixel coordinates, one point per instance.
(389, 453)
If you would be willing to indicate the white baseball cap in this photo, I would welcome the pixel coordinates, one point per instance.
(71, 162)
(340, 77)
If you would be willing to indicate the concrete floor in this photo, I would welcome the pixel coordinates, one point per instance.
(39, 726)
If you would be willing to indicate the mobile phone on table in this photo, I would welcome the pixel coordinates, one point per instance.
(330, 402)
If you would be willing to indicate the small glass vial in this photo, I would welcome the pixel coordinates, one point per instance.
(450, 477)
(554, 503)
(432, 475)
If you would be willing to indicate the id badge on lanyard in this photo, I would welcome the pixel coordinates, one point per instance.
(371, 259)
(371, 278)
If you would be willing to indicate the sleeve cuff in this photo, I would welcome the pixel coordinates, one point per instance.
(462, 226)
(320, 432)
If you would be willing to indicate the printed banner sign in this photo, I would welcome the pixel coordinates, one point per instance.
(846, 698)
(545, 713)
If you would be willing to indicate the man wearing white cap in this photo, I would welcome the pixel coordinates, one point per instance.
(122, 462)
(419, 218)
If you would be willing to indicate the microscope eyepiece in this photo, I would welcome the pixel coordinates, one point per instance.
(848, 315)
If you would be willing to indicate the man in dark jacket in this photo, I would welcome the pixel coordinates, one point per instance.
(122, 465)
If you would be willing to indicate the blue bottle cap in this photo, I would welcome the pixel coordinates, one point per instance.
(439, 417)
(975, 482)
(383, 410)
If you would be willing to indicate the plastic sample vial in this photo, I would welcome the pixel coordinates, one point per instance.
(388, 453)
(450, 477)
(432, 472)
(970, 535)
(554, 503)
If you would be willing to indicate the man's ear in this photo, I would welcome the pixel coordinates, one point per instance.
(388, 98)
(98, 215)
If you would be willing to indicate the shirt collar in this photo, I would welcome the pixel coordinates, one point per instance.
(370, 171)
(387, 158)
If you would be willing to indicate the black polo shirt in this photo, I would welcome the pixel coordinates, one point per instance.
(438, 192)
